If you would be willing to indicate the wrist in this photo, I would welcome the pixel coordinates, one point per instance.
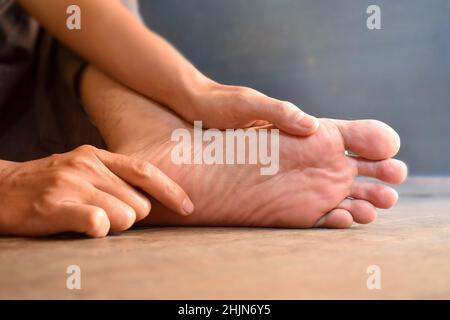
(190, 100)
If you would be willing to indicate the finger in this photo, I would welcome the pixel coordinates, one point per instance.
(150, 179)
(83, 218)
(370, 139)
(335, 219)
(282, 114)
(121, 190)
(362, 211)
(121, 216)
(389, 170)
(380, 195)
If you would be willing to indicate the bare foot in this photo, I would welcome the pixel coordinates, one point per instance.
(315, 185)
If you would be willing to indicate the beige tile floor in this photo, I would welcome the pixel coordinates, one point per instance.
(410, 244)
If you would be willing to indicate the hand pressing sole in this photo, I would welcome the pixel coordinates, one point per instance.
(314, 187)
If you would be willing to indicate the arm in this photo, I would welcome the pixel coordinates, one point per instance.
(86, 190)
(115, 41)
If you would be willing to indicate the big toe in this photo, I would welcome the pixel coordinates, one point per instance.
(370, 139)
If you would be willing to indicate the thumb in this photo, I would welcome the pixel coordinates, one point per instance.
(282, 114)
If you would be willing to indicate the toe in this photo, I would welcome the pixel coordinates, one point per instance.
(362, 211)
(335, 219)
(380, 195)
(370, 139)
(390, 170)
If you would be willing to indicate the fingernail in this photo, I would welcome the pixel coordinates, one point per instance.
(305, 121)
(188, 206)
(320, 222)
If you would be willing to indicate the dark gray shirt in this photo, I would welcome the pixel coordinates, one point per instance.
(39, 108)
(18, 37)
(40, 112)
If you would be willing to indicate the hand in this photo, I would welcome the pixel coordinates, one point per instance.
(87, 190)
(220, 106)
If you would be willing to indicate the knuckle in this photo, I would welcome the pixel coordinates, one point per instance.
(278, 104)
(86, 148)
(242, 94)
(82, 161)
(55, 160)
(143, 169)
(280, 107)
(174, 191)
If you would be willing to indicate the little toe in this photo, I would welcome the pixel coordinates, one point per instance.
(370, 139)
(380, 195)
(362, 211)
(389, 170)
(335, 219)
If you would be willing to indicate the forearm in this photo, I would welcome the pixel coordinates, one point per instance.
(115, 109)
(119, 44)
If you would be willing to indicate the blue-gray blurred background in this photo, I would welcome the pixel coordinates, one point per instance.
(320, 55)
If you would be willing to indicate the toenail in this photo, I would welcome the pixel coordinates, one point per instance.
(320, 222)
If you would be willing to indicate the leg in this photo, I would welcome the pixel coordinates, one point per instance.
(315, 185)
